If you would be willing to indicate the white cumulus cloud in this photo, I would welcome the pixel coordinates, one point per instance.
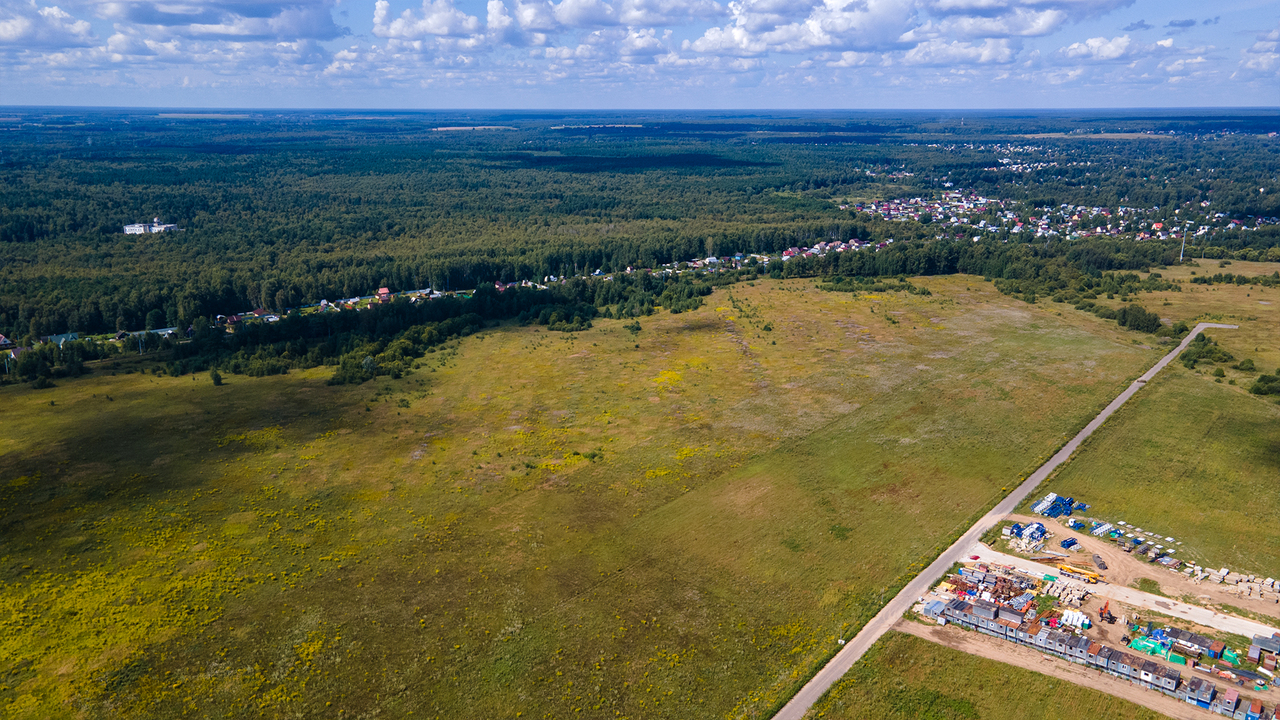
(1263, 57)
(643, 44)
(586, 48)
(733, 40)
(761, 26)
(536, 16)
(27, 25)
(1099, 48)
(584, 13)
(1018, 22)
(1075, 9)
(285, 20)
(438, 18)
(649, 13)
(942, 53)
(975, 19)
(849, 58)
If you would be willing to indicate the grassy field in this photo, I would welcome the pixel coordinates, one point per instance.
(1192, 459)
(1190, 456)
(1193, 456)
(674, 523)
(907, 677)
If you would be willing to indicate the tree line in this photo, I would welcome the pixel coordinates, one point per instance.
(387, 338)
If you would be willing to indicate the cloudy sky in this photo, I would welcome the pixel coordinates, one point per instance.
(640, 53)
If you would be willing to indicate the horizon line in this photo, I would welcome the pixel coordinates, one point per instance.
(254, 109)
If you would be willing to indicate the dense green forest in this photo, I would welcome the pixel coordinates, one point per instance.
(278, 211)
(386, 339)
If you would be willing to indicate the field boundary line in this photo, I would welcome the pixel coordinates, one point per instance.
(830, 674)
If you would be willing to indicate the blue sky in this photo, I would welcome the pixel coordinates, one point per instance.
(582, 54)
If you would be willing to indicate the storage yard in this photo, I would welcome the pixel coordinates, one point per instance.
(1207, 616)
(1061, 617)
(1126, 566)
(1141, 543)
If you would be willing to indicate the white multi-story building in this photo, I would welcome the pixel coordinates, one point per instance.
(154, 226)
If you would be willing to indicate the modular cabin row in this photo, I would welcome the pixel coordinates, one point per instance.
(1003, 622)
(1205, 694)
(987, 617)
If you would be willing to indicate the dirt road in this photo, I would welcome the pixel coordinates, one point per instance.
(1003, 651)
(1136, 598)
(1123, 569)
(818, 685)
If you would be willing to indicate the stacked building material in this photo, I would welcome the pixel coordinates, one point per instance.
(1068, 592)
(1054, 505)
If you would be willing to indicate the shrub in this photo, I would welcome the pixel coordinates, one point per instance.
(1136, 317)
(1266, 385)
(576, 324)
(1203, 348)
(351, 371)
(684, 296)
(570, 317)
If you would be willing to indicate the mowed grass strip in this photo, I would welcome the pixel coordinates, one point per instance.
(908, 677)
(531, 522)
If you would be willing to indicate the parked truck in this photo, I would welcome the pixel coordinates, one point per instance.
(1072, 571)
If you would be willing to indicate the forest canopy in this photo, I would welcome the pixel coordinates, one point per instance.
(279, 211)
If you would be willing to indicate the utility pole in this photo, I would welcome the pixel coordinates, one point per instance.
(1184, 246)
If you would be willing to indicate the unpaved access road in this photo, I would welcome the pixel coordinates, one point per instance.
(818, 685)
(1124, 568)
(1194, 613)
(975, 643)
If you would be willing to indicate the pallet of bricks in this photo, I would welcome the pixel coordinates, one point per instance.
(1067, 591)
(1245, 586)
(1250, 586)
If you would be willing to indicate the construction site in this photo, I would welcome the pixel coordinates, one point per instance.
(1062, 541)
(1069, 616)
